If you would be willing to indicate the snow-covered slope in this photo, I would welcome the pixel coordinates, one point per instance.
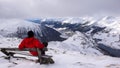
(110, 36)
(10, 27)
(78, 43)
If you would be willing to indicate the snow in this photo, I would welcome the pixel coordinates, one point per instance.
(67, 60)
(74, 20)
(79, 42)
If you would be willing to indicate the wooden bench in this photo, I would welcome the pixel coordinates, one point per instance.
(43, 59)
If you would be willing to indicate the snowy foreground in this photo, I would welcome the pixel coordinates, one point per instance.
(66, 61)
(62, 58)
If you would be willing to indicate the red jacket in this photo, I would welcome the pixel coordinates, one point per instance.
(31, 43)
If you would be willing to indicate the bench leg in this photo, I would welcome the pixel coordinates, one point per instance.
(43, 60)
(39, 55)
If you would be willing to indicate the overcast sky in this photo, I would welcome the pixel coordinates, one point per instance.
(56, 8)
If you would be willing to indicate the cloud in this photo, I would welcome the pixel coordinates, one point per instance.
(55, 8)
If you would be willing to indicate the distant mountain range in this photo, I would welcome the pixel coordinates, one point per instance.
(104, 30)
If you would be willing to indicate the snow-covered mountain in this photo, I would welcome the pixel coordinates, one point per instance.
(78, 43)
(101, 30)
(14, 26)
(19, 28)
(110, 36)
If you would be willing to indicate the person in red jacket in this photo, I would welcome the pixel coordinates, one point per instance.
(31, 42)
